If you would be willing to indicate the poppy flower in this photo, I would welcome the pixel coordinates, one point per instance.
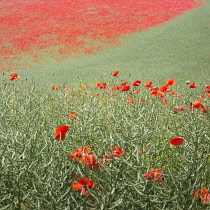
(84, 86)
(198, 104)
(178, 108)
(148, 84)
(124, 83)
(61, 132)
(118, 152)
(170, 82)
(73, 116)
(80, 153)
(14, 76)
(136, 83)
(117, 87)
(207, 89)
(68, 90)
(193, 85)
(91, 161)
(164, 89)
(165, 102)
(83, 185)
(131, 101)
(55, 87)
(126, 88)
(154, 175)
(135, 92)
(203, 194)
(115, 73)
(102, 85)
(177, 141)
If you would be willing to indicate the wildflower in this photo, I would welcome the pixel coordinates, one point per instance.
(83, 185)
(91, 162)
(102, 85)
(61, 132)
(80, 153)
(55, 87)
(154, 175)
(164, 89)
(203, 194)
(177, 141)
(165, 102)
(170, 82)
(136, 83)
(148, 84)
(178, 108)
(84, 86)
(131, 101)
(135, 92)
(193, 85)
(198, 104)
(117, 87)
(115, 73)
(68, 90)
(126, 88)
(14, 76)
(73, 116)
(124, 83)
(187, 82)
(118, 152)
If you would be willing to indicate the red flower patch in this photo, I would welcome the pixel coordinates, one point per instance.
(154, 175)
(62, 29)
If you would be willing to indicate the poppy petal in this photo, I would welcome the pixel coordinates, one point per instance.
(177, 141)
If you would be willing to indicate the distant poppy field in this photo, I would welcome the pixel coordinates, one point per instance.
(37, 30)
(109, 140)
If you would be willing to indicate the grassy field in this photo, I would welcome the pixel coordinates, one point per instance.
(73, 136)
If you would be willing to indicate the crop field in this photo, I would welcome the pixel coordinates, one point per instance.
(104, 105)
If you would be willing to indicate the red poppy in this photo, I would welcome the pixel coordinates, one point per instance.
(68, 90)
(148, 84)
(61, 132)
(117, 87)
(115, 73)
(178, 108)
(73, 116)
(14, 76)
(84, 86)
(173, 93)
(80, 153)
(203, 194)
(83, 185)
(55, 87)
(118, 152)
(165, 102)
(193, 85)
(136, 83)
(126, 88)
(124, 83)
(207, 89)
(102, 85)
(154, 175)
(164, 89)
(198, 104)
(131, 101)
(170, 82)
(177, 141)
(137, 91)
(91, 162)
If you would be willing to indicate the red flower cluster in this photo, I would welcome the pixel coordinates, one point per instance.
(61, 132)
(14, 76)
(154, 175)
(197, 104)
(115, 73)
(203, 194)
(55, 87)
(83, 185)
(178, 108)
(102, 85)
(82, 155)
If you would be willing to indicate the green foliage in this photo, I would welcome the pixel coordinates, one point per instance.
(37, 172)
